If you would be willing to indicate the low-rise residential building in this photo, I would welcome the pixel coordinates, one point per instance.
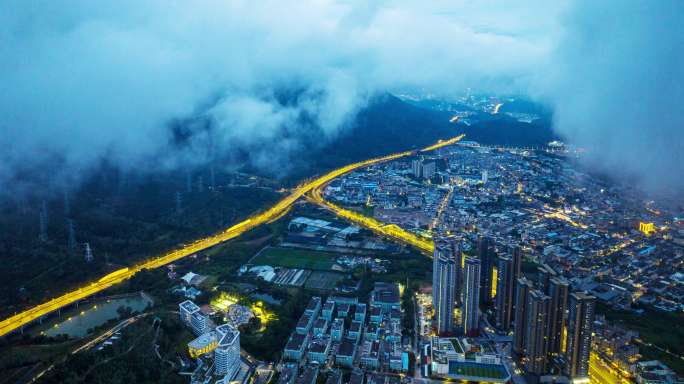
(386, 295)
(320, 326)
(370, 354)
(355, 330)
(314, 306)
(335, 377)
(308, 376)
(372, 331)
(343, 309)
(305, 323)
(356, 377)
(346, 353)
(376, 314)
(395, 355)
(337, 329)
(295, 346)
(328, 309)
(319, 349)
(288, 374)
(360, 313)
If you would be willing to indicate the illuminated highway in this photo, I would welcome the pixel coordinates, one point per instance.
(40, 312)
(374, 225)
(496, 110)
(599, 373)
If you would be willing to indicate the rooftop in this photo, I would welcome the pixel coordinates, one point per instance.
(313, 304)
(347, 347)
(386, 293)
(296, 342)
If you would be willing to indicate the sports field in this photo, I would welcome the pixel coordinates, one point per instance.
(479, 372)
(322, 280)
(293, 258)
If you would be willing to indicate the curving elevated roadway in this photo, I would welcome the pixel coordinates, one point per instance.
(37, 314)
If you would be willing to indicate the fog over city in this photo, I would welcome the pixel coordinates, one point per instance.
(160, 85)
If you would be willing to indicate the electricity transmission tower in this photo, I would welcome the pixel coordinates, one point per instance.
(189, 184)
(199, 184)
(213, 185)
(179, 209)
(72, 234)
(89, 256)
(66, 202)
(43, 233)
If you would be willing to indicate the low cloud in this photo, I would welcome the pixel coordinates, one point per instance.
(160, 85)
(84, 81)
(617, 85)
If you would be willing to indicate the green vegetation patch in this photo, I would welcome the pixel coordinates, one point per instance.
(292, 258)
(456, 345)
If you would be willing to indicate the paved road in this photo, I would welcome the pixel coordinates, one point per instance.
(112, 331)
(599, 373)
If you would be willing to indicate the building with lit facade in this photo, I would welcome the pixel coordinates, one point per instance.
(523, 287)
(558, 292)
(193, 316)
(545, 273)
(485, 254)
(443, 288)
(581, 310)
(536, 342)
(505, 290)
(204, 344)
(227, 353)
(471, 294)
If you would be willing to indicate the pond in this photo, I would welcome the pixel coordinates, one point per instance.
(266, 297)
(75, 321)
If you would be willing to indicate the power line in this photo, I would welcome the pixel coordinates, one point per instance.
(66, 202)
(179, 208)
(43, 233)
(189, 184)
(45, 215)
(213, 185)
(200, 187)
(72, 234)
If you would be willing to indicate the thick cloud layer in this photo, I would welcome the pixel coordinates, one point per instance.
(617, 82)
(166, 84)
(81, 81)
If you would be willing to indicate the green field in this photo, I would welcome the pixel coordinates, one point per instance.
(323, 280)
(479, 372)
(292, 258)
